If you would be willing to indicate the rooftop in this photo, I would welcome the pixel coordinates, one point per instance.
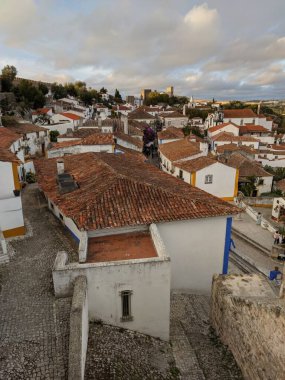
(234, 147)
(247, 167)
(178, 150)
(71, 115)
(196, 164)
(116, 190)
(239, 113)
(171, 133)
(130, 246)
(23, 128)
(80, 133)
(253, 128)
(131, 140)
(226, 136)
(220, 126)
(140, 115)
(93, 139)
(174, 114)
(7, 137)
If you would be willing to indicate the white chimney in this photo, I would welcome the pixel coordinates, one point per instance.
(60, 166)
(126, 126)
(184, 110)
(99, 121)
(258, 108)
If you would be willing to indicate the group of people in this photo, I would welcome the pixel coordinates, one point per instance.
(278, 238)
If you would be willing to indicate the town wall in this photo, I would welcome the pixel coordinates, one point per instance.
(79, 326)
(250, 320)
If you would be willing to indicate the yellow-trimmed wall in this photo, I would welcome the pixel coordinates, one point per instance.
(16, 176)
(18, 231)
(236, 183)
(193, 178)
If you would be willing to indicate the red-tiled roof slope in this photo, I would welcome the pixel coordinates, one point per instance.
(196, 164)
(22, 128)
(93, 139)
(140, 115)
(239, 113)
(7, 156)
(178, 150)
(170, 133)
(132, 140)
(220, 126)
(70, 115)
(121, 190)
(41, 111)
(226, 136)
(247, 167)
(252, 128)
(7, 137)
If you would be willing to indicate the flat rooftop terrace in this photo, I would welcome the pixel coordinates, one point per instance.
(130, 246)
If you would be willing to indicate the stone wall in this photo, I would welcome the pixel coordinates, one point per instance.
(78, 337)
(250, 319)
(259, 201)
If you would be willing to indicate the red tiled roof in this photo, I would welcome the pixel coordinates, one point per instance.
(247, 167)
(132, 140)
(23, 128)
(252, 128)
(170, 133)
(93, 139)
(196, 164)
(235, 147)
(174, 115)
(7, 156)
(7, 137)
(225, 136)
(41, 111)
(70, 115)
(120, 190)
(281, 185)
(140, 115)
(178, 150)
(80, 133)
(239, 113)
(220, 126)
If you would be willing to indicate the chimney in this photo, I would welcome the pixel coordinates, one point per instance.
(184, 110)
(69, 132)
(126, 126)
(99, 122)
(60, 166)
(258, 108)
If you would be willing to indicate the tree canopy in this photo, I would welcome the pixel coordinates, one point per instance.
(8, 75)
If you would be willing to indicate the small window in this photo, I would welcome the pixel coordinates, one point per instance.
(209, 178)
(276, 157)
(52, 206)
(181, 174)
(241, 122)
(253, 121)
(61, 216)
(126, 305)
(261, 182)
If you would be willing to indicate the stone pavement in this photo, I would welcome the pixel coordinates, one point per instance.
(248, 227)
(34, 325)
(198, 352)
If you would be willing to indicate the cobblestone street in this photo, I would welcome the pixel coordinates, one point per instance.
(34, 326)
(198, 353)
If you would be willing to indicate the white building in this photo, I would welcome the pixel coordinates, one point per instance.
(223, 138)
(174, 119)
(130, 218)
(209, 175)
(181, 150)
(96, 142)
(66, 117)
(11, 213)
(169, 134)
(249, 169)
(141, 116)
(127, 141)
(224, 127)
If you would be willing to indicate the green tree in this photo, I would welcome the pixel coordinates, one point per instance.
(118, 97)
(58, 91)
(29, 95)
(43, 88)
(53, 136)
(8, 75)
(71, 89)
(103, 90)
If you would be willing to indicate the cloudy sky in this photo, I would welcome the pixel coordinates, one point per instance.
(218, 48)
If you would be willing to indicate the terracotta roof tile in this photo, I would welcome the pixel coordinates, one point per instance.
(225, 136)
(41, 111)
(247, 167)
(7, 156)
(140, 115)
(235, 147)
(120, 190)
(174, 115)
(93, 139)
(71, 116)
(22, 128)
(220, 126)
(178, 150)
(132, 140)
(281, 185)
(7, 137)
(196, 164)
(239, 113)
(252, 128)
(170, 133)
(80, 133)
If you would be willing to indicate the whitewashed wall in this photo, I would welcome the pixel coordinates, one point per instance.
(227, 128)
(223, 185)
(148, 279)
(11, 213)
(128, 145)
(6, 179)
(196, 250)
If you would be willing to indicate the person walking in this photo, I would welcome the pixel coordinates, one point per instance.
(276, 237)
